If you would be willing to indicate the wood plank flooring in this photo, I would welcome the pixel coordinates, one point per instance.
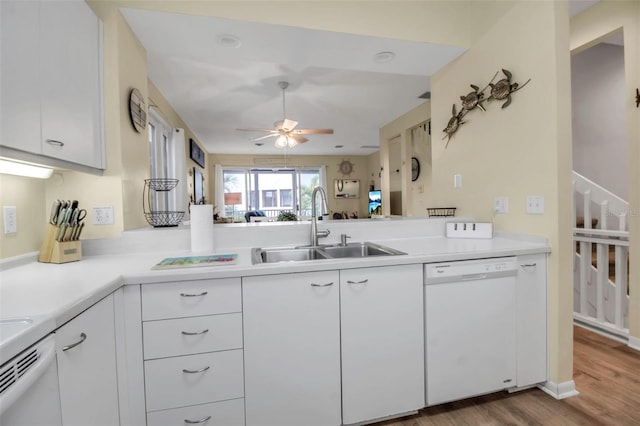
(607, 375)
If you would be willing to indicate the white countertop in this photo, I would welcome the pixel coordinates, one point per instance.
(52, 294)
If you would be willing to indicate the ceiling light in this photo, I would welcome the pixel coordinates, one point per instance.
(230, 41)
(23, 169)
(285, 141)
(259, 144)
(382, 57)
(339, 146)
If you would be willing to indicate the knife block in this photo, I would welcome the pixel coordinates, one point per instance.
(53, 251)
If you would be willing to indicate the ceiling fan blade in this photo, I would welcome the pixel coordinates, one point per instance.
(289, 125)
(258, 130)
(313, 131)
(264, 137)
(298, 138)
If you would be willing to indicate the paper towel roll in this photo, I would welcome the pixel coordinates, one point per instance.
(202, 228)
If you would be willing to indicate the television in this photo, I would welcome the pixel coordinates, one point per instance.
(375, 203)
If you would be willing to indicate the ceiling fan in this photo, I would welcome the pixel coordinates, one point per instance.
(285, 130)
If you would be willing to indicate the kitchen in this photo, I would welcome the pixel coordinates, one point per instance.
(122, 175)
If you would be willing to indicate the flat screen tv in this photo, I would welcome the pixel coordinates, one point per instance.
(375, 203)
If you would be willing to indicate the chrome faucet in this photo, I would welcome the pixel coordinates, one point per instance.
(315, 234)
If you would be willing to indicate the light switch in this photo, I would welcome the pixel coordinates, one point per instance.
(457, 181)
(501, 205)
(103, 215)
(535, 204)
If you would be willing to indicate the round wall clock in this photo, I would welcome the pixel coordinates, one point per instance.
(415, 169)
(137, 110)
(346, 167)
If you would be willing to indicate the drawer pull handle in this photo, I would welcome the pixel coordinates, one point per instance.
(195, 333)
(184, 370)
(321, 285)
(195, 422)
(55, 142)
(529, 265)
(204, 293)
(358, 282)
(83, 337)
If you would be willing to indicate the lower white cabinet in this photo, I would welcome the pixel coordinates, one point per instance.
(85, 348)
(292, 349)
(532, 319)
(224, 413)
(382, 335)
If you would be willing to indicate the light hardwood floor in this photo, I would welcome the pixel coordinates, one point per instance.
(607, 375)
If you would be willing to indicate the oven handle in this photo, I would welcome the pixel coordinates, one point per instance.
(47, 351)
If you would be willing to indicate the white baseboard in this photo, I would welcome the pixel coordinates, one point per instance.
(634, 343)
(560, 390)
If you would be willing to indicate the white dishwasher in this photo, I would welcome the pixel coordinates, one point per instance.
(470, 328)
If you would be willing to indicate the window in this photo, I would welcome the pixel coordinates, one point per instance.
(270, 190)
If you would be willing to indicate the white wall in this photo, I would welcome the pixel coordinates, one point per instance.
(599, 117)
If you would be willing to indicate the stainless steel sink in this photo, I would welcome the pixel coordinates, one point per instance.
(352, 250)
(360, 250)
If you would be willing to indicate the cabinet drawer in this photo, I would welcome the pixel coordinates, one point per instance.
(168, 385)
(224, 413)
(191, 298)
(193, 335)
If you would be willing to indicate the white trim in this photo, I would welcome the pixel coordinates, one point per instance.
(559, 390)
(634, 343)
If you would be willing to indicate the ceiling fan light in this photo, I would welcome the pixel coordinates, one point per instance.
(291, 142)
(281, 142)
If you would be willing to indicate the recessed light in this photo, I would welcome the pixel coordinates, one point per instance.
(382, 57)
(259, 144)
(339, 146)
(229, 40)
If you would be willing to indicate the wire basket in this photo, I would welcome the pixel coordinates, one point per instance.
(161, 184)
(441, 211)
(164, 218)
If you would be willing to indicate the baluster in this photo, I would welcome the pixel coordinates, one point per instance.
(621, 277)
(602, 257)
(585, 269)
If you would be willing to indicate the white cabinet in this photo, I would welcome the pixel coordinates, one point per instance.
(192, 352)
(85, 348)
(51, 90)
(532, 319)
(292, 349)
(382, 335)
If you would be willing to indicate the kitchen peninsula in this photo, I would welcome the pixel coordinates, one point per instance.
(278, 343)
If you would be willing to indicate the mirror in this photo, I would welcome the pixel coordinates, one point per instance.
(346, 188)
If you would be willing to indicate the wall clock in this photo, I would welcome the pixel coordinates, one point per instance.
(415, 169)
(346, 167)
(137, 110)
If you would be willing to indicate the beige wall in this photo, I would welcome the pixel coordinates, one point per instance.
(524, 149)
(27, 195)
(360, 171)
(588, 29)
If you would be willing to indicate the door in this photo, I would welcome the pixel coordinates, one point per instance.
(470, 337)
(382, 338)
(85, 347)
(292, 349)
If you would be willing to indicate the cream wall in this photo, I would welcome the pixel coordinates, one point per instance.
(360, 171)
(522, 150)
(588, 29)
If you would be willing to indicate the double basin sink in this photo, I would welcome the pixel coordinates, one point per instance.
(338, 251)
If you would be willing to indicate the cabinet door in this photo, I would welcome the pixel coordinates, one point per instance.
(19, 87)
(382, 334)
(532, 319)
(70, 72)
(292, 349)
(87, 371)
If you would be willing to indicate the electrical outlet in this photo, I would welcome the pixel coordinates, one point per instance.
(501, 205)
(457, 181)
(10, 219)
(535, 204)
(103, 215)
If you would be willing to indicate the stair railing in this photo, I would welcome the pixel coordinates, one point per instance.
(592, 286)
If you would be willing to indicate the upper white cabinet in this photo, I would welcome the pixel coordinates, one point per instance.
(51, 85)
(85, 348)
(292, 349)
(382, 335)
(532, 319)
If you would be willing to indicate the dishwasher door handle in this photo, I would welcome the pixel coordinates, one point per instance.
(472, 277)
